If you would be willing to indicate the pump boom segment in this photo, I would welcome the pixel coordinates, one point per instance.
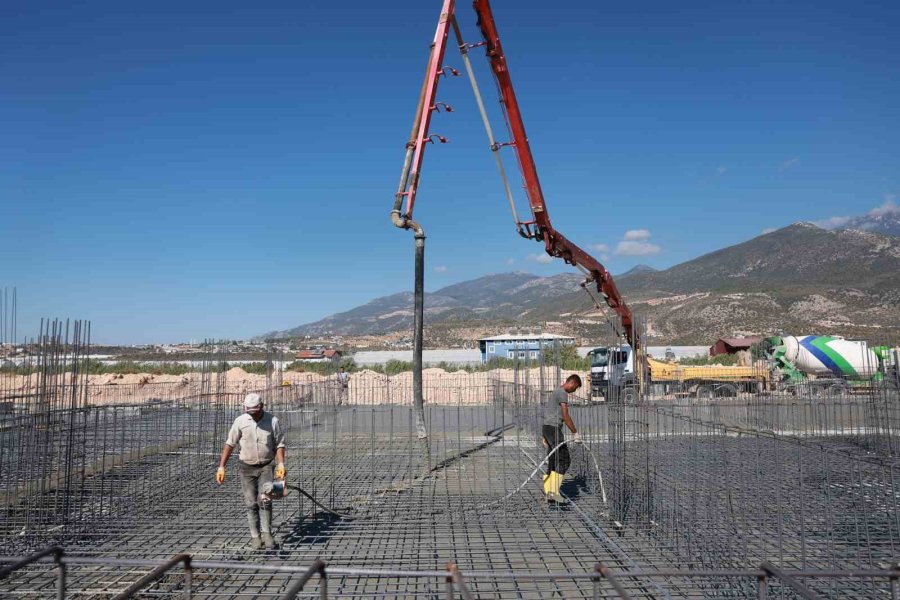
(539, 227)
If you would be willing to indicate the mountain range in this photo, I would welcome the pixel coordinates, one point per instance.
(800, 279)
(885, 220)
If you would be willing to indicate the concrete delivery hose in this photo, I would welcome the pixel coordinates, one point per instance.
(497, 432)
(539, 467)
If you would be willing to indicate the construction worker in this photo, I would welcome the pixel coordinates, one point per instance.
(344, 381)
(262, 442)
(555, 413)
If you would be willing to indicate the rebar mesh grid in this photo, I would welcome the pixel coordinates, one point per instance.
(806, 483)
(767, 580)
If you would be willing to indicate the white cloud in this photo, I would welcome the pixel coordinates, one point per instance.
(510, 261)
(722, 170)
(632, 248)
(831, 222)
(789, 163)
(636, 242)
(440, 269)
(599, 247)
(887, 208)
(540, 258)
(637, 234)
(769, 230)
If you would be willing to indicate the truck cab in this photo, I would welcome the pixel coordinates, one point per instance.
(621, 366)
(611, 366)
(599, 370)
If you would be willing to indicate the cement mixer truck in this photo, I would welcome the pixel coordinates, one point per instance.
(820, 364)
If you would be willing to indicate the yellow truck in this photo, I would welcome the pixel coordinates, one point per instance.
(707, 381)
(613, 372)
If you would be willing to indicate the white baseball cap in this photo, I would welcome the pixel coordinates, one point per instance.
(252, 401)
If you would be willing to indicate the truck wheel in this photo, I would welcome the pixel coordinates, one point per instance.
(704, 392)
(837, 389)
(726, 391)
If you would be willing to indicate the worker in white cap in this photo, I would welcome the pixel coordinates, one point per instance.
(261, 458)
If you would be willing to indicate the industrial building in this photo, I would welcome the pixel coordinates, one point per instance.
(521, 347)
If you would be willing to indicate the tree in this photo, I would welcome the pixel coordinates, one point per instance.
(568, 358)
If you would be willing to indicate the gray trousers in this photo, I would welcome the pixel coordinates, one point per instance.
(259, 513)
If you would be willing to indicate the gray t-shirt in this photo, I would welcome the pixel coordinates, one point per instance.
(551, 414)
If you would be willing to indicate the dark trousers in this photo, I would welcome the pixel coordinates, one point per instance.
(259, 513)
(559, 460)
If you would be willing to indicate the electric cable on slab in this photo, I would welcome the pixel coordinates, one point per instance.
(319, 504)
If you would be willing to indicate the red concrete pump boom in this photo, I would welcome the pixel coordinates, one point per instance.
(540, 227)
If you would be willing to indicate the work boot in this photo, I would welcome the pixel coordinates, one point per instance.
(265, 523)
(255, 542)
(253, 521)
(269, 541)
(557, 498)
(265, 519)
(551, 484)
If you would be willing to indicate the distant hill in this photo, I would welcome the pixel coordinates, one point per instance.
(492, 297)
(800, 279)
(797, 256)
(638, 269)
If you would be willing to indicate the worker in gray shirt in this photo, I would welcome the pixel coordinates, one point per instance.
(262, 442)
(555, 413)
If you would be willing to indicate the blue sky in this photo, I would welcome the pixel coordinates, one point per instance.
(188, 170)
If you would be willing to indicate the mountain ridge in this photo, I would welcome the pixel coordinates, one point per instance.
(884, 220)
(798, 279)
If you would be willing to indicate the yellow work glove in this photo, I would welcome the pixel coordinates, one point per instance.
(220, 475)
(280, 471)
